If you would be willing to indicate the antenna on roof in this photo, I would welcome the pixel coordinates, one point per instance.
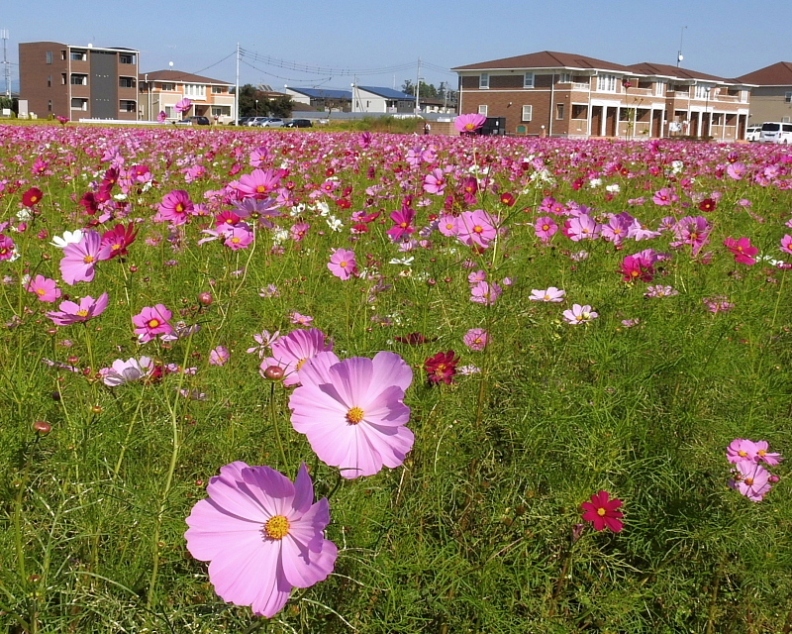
(680, 57)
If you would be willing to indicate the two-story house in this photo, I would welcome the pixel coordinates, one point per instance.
(562, 94)
(382, 100)
(771, 94)
(79, 82)
(161, 90)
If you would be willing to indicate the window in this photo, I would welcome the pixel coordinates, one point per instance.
(126, 82)
(218, 90)
(527, 113)
(126, 58)
(195, 91)
(221, 111)
(702, 92)
(128, 105)
(168, 87)
(579, 111)
(170, 113)
(79, 80)
(607, 83)
(559, 111)
(785, 120)
(63, 55)
(49, 81)
(79, 104)
(79, 56)
(482, 110)
(565, 78)
(484, 80)
(49, 106)
(49, 57)
(788, 97)
(63, 79)
(660, 88)
(528, 80)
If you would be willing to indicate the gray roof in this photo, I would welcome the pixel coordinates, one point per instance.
(323, 93)
(388, 93)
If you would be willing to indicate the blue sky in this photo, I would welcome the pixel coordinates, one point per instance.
(344, 39)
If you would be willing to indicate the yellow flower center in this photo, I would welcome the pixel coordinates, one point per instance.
(277, 527)
(261, 189)
(88, 259)
(355, 415)
(82, 312)
(762, 453)
(742, 453)
(601, 511)
(153, 323)
(478, 229)
(470, 126)
(40, 291)
(749, 481)
(301, 363)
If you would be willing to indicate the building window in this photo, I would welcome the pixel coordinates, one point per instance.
(168, 87)
(527, 113)
(128, 105)
(49, 105)
(195, 91)
(170, 113)
(126, 58)
(702, 92)
(660, 88)
(579, 111)
(484, 80)
(49, 81)
(559, 111)
(218, 90)
(482, 110)
(126, 82)
(607, 83)
(528, 80)
(785, 120)
(79, 80)
(79, 56)
(564, 78)
(63, 55)
(221, 111)
(49, 57)
(63, 79)
(79, 104)
(788, 97)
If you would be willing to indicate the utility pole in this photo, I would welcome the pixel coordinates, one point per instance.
(679, 52)
(418, 88)
(6, 63)
(236, 100)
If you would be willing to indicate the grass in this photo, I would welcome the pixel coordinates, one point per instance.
(474, 533)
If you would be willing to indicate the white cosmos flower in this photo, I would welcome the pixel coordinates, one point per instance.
(69, 237)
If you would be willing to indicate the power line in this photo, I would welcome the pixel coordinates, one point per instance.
(288, 79)
(216, 63)
(321, 70)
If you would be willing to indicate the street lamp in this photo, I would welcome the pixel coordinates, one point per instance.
(256, 100)
(708, 117)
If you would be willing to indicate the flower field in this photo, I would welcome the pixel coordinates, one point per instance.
(348, 382)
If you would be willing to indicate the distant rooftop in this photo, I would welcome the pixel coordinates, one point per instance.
(388, 93)
(322, 93)
(778, 74)
(179, 76)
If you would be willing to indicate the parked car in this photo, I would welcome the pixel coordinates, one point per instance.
(776, 132)
(256, 121)
(753, 132)
(195, 121)
(242, 121)
(299, 123)
(272, 122)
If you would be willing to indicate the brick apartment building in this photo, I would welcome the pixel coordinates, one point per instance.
(79, 82)
(563, 94)
(771, 96)
(161, 90)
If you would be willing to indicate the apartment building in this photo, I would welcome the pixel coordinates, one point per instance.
(771, 95)
(79, 81)
(161, 90)
(563, 94)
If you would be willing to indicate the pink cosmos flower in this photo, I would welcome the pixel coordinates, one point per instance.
(718, 304)
(476, 339)
(545, 228)
(743, 251)
(742, 449)
(45, 289)
(71, 313)
(660, 291)
(485, 293)
(447, 225)
(239, 237)
(259, 184)
(263, 340)
(219, 356)
(353, 411)
(162, 117)
(603, 512)
(343, 263)
(300, 319)
(263, 536)
(116, 240)
(7, 248)
(786, 244)
(151, 322)
(175, 208)
(751, 479)
(551, 294)
(469, 123)
(122, 372)
(291, 352)
(404, 224)
(80, 259)
(636, 267)
(582, 227)
(477, 276)
(476, 228)
(665, 197)
(183, 105)
(580, 314)
(435, 182)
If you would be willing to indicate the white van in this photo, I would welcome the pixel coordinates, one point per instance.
(776, 132)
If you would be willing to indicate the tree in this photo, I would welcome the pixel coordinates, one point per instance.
(267, 105)
(427, 90)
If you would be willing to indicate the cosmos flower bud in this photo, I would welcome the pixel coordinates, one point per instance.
(42, 427)
(205, 298)
(274, 373)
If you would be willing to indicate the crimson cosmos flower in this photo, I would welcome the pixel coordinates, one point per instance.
(442, 367)
(603, 512)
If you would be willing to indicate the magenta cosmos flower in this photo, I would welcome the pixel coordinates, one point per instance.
(292, 352)
(183, 105)
(476, 228)
(45, 288)
(71, 313)
(752, 480)
(353, 411)
(603, 512)
(343, 263)
(262, 536)
(175, 208)
(476, 339)
(80, 259)
(744, 450)
(151, 322)
(469, 123)
(485, 293)
(742, 249)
